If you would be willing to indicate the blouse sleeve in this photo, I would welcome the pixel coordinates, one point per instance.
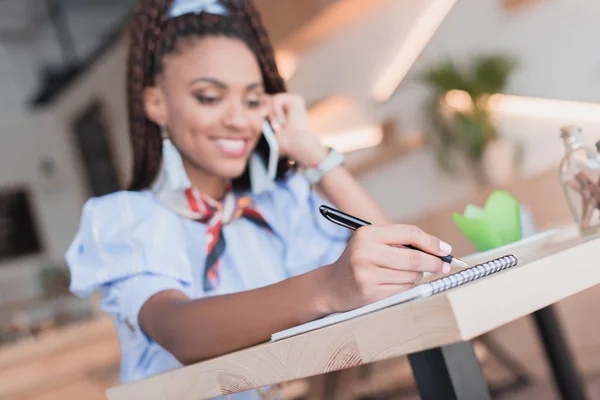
(311, 241)
(131, 248)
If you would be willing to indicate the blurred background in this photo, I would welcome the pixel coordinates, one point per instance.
(436, 103)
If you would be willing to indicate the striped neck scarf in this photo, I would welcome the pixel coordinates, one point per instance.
(215, 214)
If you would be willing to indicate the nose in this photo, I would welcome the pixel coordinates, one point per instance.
(237, 116)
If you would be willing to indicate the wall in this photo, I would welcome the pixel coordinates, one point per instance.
(65, 194)
(28, 138)
(555, 42)
(18, 158)
(552, 64)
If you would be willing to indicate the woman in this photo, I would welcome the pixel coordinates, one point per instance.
(192, 262)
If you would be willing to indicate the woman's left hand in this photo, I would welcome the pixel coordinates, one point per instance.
(289, 119)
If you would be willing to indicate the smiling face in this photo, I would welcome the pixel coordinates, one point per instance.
(211, 98)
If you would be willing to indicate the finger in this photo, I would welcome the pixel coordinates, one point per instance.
(289, 105)
(271, 114)
(412, 235)
(404, 259)
(274, 123)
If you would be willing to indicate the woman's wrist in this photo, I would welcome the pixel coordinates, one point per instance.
(311, 156)
(316, 289)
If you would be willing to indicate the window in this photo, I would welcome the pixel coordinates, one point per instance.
(18, 235)
(91, 134)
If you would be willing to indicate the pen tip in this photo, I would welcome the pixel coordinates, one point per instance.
(459, 263)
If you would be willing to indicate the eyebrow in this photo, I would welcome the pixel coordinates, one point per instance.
(222, 85)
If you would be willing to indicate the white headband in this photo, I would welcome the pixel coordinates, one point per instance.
(182, 7)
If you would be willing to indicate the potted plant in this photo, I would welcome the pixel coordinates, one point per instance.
(460, 117)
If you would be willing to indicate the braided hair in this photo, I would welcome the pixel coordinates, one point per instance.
(152, 36)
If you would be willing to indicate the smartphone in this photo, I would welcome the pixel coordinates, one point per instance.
(273, 160)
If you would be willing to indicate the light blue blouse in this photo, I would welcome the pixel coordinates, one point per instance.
(131, 247)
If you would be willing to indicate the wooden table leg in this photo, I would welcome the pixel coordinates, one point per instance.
(450, 373)
(559, 355)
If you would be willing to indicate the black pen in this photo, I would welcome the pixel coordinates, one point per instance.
(350, 222)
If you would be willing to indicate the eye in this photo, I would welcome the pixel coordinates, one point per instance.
(254, 103)
(207, 100)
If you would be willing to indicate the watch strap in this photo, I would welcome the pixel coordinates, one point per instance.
(332, 160)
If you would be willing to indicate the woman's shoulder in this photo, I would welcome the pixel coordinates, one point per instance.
(122, 202)
(123, 234)
(124, 218)
(124, 209)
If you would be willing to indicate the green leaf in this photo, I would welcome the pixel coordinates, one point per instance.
(491, 73)
(497, 224)
(469, 132)
(445, 77)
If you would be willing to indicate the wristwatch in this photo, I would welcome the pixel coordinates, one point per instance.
(333, 159)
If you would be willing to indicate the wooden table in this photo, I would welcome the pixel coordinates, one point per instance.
(435, 332)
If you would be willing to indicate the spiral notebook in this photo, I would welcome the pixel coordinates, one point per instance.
(424, 290)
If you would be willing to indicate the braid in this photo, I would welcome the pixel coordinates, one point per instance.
(145, 33)
(151, 37)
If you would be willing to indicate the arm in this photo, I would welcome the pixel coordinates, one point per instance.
(368, 270)
(296, 141)
(195, 330)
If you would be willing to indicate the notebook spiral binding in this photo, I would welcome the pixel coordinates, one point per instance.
(472, 273)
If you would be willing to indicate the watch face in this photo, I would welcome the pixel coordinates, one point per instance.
(339, 158)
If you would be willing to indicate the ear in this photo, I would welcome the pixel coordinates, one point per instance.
(155, 105)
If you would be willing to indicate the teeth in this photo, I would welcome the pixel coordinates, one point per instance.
(232, 144)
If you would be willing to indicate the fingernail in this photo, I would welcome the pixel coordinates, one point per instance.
(445, 247)
(446, 268)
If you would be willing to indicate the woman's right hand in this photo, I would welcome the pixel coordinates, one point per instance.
(375, 265)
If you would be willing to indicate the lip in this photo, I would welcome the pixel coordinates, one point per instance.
(229, 151)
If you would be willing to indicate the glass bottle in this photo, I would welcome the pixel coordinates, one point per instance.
(580, 179)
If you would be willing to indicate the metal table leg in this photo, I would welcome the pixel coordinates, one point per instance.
(450, 373)
(559, 356)
(502, 356)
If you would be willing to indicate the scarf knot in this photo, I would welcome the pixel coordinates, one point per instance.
(215, 214)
